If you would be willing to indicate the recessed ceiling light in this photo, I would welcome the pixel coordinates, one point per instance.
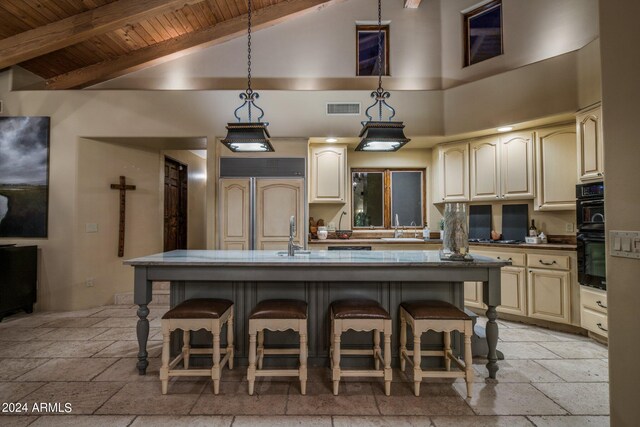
(331, 140)
(505, 128)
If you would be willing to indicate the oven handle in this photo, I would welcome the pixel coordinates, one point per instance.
(591, 202)
(584, 238)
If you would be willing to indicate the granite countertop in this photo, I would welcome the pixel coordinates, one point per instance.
(328, 258)
(349, 242)
(375, 241)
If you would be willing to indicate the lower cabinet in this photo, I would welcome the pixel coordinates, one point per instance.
(513, 291)
(473, 295)
(549, 295)
(593, 310)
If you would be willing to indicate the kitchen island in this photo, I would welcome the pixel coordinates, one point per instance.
(319, 277)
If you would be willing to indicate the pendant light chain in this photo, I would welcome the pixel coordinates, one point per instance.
(249, 90)
(379, 44)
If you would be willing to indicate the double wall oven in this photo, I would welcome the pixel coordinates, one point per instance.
(591, 248)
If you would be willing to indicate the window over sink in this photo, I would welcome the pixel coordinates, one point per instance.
(379, 195)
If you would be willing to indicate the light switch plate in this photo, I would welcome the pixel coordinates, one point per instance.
(91, 228)
(625, 244)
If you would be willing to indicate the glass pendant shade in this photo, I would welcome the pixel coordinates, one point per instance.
(382, 136)
(247, 137)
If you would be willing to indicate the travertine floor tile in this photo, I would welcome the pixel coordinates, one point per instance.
(79, 322)
(282, 421)
(69, 369)
(13, 392)
(79, 313)
(128, 349)
(509, 399)
(125, 370)
(117, 312)
(16, 420)
(126, 334)
(147, 399)
(71, 334)
(579, 398)
(578, 370)
(482, 421)
(12, 368)
(184, 421)
(22, 334)
(525, 350)
(71, 349)
(570, 421)
(24, 321)
(353, 399)
(84, 397)
(269, 398)
(119, 322)
(435, 399)
(382, 421)
(516, 371)
(522, 335)
(577, 350)
(82, 421)
(13, 349)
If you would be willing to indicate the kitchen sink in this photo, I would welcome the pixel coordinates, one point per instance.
(401, 239)
(285, 253)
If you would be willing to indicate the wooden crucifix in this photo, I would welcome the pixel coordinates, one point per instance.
(123, 187)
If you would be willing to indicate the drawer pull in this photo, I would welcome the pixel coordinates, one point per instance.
(510, 259)
(600, 304)
(599, 325)
(547, 263)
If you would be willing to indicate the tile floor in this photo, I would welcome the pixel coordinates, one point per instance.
(87, 359)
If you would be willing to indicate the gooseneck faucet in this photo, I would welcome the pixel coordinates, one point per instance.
(292, 248)
(398, 231)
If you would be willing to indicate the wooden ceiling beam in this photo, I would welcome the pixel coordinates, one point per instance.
(184, 44)
(412, 4)
(80, 27)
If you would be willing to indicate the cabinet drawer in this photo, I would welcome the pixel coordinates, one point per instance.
(551, 262)
(594, 321)
(517, 260)
(593, 299)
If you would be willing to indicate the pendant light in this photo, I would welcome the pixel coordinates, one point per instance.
(381, 135)
(248, 136)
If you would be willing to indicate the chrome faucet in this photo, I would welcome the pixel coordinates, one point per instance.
(397, 232)
(292, 248)
(415, 229)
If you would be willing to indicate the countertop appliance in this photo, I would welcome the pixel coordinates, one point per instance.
(590, 218)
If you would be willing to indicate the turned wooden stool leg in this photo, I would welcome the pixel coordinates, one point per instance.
(387, 362)
(303, 361)
(260, 348)
(251, 371)
(376, 348)
(336, 361)
(215, 372)
(164, 370)
(403, 341)
(447, 350)
(186, 348)
(417, 357)
(230, 350)
(468, 358)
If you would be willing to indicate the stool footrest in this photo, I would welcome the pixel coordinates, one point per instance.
(280, 351)
(189, 372)
(361, 373)
(206, 350)
(278, 372)
(355, 352)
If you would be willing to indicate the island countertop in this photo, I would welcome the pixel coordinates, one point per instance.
(326, 258)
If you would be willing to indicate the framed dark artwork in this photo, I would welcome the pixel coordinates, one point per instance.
(24, 176)
(367, 50)
(483, 33)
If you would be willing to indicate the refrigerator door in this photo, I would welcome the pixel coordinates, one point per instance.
(235, 214)
(276, 200)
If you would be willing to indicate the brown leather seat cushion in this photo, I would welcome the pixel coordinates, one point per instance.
(358, 309)
(279, 309)
(199, 308)
(432, 309)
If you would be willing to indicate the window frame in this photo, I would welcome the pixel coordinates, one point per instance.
(370, 28)
(466, 18)
(387, 223)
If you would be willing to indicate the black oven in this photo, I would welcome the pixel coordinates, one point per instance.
(591, 235)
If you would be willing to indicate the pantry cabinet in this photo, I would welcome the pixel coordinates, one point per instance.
(453, 179)
(556, 169)
(327, 174)
(590, 145)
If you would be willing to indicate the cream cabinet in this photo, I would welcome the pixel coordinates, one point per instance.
(473, 295)
(327, 174)
(590, 145)
(234, 214)
(276, 201)
(549, 295)
(453, 179)
(556, 169)
(513, 291)
(593, 310)
(485, 169)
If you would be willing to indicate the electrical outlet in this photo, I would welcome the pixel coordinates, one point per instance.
(89, 282)
(1, 106)
(91, 228)
(568, 227)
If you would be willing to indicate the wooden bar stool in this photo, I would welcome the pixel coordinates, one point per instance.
(191, 315)
(277, 315)
(438, 316)
(361, 315)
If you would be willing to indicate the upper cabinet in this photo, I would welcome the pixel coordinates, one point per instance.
(556, 168)
(502, 167)
(453, 180)
(327, 174)
(590, 145)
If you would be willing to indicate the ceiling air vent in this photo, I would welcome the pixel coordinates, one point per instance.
(343, 108)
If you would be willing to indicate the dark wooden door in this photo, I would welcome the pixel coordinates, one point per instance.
(175, 205)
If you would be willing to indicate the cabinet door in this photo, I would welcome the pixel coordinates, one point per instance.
(327, 174)
(454, 172)
(516, 166)
(485, 169)
(276, 201)
(556, 169)
(473, 295)
(234, 214)
(513, 291)
(590, 145)
(549, 295)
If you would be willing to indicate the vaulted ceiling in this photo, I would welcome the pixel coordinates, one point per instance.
(77, 43)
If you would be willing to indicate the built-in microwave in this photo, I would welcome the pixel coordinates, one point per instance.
(590, 207)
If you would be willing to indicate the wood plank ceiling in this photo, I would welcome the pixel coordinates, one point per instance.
(78, 43)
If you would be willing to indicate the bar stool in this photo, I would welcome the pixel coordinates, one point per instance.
(277, 315)
(191, 315)
(361, 315)
(438, 316)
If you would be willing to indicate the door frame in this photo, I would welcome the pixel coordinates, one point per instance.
(183, 207)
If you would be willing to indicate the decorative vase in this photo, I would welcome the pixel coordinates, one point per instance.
(455, 242)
